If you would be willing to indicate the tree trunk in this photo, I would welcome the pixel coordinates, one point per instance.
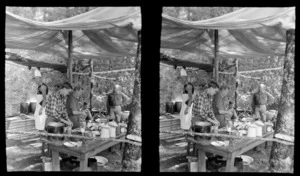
(282, 156)
(131, 152)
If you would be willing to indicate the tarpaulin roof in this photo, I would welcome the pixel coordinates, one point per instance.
(247, 32)
(104, 31)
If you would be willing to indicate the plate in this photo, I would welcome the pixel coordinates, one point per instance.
(246, 119)
(181, 144)
(247, 160)
(217, 143)
(70, 144)
(101, 161)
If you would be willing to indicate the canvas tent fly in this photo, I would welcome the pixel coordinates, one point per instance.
(104, 31)
(247, 32)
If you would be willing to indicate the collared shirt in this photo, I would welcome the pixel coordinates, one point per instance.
(260, 98)
(115, 99)
(72, 104)
(218, 103)
(202, 106)
(56, 107)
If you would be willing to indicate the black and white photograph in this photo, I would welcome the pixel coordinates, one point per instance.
(73, 89)
(227, 89)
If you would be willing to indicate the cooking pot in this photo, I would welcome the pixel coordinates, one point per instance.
(24, 108)
(56, 128)
(202, 127)
(238, 163)
(32, 107)
(92, 163)
(170, 107)
(177, 107)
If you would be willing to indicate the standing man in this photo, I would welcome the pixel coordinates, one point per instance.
(73, 108)
(55, 108)
(260, 99)
(202, 109)
(114, 102)
(219, 107)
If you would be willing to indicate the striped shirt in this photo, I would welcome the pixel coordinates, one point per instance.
(203, 106)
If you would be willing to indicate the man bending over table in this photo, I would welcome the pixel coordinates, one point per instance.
(73, 108)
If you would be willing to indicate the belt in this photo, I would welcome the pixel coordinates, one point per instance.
(115, 106)
(260, 105)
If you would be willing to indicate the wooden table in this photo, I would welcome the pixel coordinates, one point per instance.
(229, 152)
(82, 153)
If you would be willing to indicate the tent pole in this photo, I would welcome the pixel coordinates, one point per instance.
(236, 82)
(92, 83)
(70, 61)
(216, 44)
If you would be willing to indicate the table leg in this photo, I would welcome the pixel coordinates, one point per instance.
(83, 164)
(201, 161)
(230, 164)
(188, 149)
(43, 148)
(55, 161)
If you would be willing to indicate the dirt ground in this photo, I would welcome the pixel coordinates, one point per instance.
(173, 158)
(27, 157)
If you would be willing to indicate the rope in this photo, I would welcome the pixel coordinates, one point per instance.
(113, 71)
(228, 136)
(267, 69)
(249, 77)
(74, 136)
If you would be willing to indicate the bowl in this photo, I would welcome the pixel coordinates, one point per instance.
(222, 169)
(247, 160)
(101, 161)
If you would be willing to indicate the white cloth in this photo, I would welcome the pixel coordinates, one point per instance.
(39, 119)
(185, 119)
(37, 73)
(183, 72)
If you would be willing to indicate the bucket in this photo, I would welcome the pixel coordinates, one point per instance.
(105, 132)
(238, 163)
(251, 131)
(24, 108)
(259, 130)
(192, 164)
(202, 127)
(32, 107)
(177, 107)
(47, 163)
(170, 107)
(112, 132)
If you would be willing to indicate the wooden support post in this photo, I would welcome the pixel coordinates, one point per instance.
(70, 61)
(92, 83)
(216, 43)
(236, 82)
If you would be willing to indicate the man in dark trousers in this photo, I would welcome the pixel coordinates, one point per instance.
(114, 102)
(260, 101)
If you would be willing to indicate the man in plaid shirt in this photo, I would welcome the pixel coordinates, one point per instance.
(202, 109)
(55, 108)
